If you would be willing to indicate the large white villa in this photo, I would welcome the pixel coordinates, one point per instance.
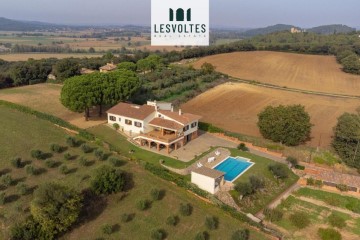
(155, 124)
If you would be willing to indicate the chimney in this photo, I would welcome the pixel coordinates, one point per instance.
(172, 108)
(179, 111)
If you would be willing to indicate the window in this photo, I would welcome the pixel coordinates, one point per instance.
(159, 116)
(112, 118)
(194, 124)
(138, 124)
(119, 119)
(186, 128)
(128, 122)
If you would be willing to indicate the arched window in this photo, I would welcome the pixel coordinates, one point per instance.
(188, 14)
(171, 15)
(180, 15)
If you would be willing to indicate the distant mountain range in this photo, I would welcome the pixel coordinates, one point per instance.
(325, 29)
(16, 25)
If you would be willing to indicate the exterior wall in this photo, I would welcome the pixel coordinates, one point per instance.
(192, 130)
(130, 128)
(203, 182)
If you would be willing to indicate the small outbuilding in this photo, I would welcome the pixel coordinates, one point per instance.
(208, 179)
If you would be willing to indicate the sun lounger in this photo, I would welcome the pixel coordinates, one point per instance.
(211, 159)
(217, 153)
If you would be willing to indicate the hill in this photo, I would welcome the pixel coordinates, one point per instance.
(268, 30)
(330, 29)
(16, 25)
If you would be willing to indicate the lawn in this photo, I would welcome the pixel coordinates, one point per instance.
(273, 187)
(120, 143)
(318, 216)
(334, 199)
(21, 133)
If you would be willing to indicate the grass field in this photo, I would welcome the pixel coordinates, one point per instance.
(46, 98)
(235, 106)
(318, 216)
(273, 188)
(307, 72)
(23, 133)
(333, 199)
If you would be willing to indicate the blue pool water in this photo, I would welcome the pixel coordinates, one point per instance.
(233, 167)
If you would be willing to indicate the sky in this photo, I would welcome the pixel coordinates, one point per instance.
(223, 13)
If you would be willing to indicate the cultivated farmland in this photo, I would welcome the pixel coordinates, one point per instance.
(37, 56)
(234, 107)
(307, 72)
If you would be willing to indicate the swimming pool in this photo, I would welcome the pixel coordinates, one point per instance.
(233, 167)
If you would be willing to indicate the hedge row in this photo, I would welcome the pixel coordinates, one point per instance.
(47, 117)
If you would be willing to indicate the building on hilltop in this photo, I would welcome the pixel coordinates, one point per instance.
(155, 124)
(108, 67)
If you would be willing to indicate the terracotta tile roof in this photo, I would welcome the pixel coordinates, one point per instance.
(86, 71)
(160, 122)
(184, 118)
(209, 172)
(108, 67)
(132, 110)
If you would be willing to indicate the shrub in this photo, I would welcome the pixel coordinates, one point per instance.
(310, 181)
(50, 163)
(242, 234)
(22, 188)
(243, 147)
(67, 156)
(299, 220)
(300, 167)
(71, 141)
(336, 220)
(37, 154)
(158, 234)
(16, 162)
(86, 148)
(212, 223)
(56, 207)
(125, 217)
(256, 182)
(100, 155)
(318, 183)
(31, 170)
(108, 180)
(243, 188)
(2, 198)
(6, 180)
(27, 230)
(143, 204)
(342, 187)
(202, 236)
(155, 194)
(329, 234)
(116, 126)
(172, 220)
(64, 169)
(292, 161)
(83, 161)
(185, 209)
(107, 229)
(114, 161)
(279, 170)
(56, 148)
(273, 215)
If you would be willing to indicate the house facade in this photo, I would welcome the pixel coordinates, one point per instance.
(155, 125)
(208, 179)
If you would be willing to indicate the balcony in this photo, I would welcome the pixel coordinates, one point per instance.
(163, 138)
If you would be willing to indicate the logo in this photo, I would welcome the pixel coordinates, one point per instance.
(179, 22)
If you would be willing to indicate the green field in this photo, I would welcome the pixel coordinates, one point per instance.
(318, 216)
(333, 199)
(273, 187)
(21, 133)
